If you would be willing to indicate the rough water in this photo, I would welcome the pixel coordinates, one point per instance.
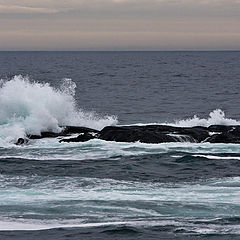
(109, 190)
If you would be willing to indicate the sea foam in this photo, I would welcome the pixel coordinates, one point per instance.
(216, 117)
(29, 107)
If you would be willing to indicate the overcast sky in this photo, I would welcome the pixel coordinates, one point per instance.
(119, 24)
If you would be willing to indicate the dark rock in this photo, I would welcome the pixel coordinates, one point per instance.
(196, 134)
(44, 135)
(235, 130)
(153, 134)
(21, 141)
(224, 138)
(133, 134)
(67, 131)
(220, 128)
(74, 130)
(229, 134)
(148, 134)
(81, 138)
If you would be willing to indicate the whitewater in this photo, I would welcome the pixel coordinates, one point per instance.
(117, 190)
(29, 108)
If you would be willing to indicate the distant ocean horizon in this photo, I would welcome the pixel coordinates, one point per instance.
(118, 50)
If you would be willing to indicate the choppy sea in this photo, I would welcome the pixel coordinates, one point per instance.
(109, 190)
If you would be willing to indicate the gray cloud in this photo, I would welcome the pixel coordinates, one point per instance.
(13, 9)
(119, 24)
(131, 8)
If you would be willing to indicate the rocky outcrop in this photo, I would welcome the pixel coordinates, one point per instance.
(85, 134)
(164, 133)
(147, 134)
(224, 134)
(153, 134)
(67, 131)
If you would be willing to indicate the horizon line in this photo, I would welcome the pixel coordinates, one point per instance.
(138, 50)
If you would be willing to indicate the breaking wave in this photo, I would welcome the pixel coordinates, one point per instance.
(30, 107)
(216, 117)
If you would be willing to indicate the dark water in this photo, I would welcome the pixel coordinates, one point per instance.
(139, 87)
(105, 190)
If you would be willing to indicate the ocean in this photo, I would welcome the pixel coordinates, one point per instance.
(111, 190)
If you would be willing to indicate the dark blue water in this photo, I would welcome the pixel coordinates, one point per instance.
(138, 86)
(107, 190)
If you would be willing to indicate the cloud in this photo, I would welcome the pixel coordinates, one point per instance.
(158, 24)
(124, 8)
(13, 9)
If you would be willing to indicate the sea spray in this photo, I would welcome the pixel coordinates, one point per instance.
(29, 107)
(216, 117)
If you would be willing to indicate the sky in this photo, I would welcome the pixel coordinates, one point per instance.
(120, 25)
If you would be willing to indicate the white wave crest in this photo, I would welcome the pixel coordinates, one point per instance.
(29, 108)
(216, 117)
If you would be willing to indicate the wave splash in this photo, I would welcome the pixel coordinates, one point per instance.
(30, 107)
(216, 117)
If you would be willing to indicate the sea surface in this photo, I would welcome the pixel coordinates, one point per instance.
(108, 190)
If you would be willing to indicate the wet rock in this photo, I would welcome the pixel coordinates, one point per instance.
(74, 130)
(229, 134)
(197, 134)
(22, 141)
(67, 131)
(153, 134)
(224, 138)
(133, 134)
(148, 134)
(81, 138)
(44, 135)
(220, 128)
